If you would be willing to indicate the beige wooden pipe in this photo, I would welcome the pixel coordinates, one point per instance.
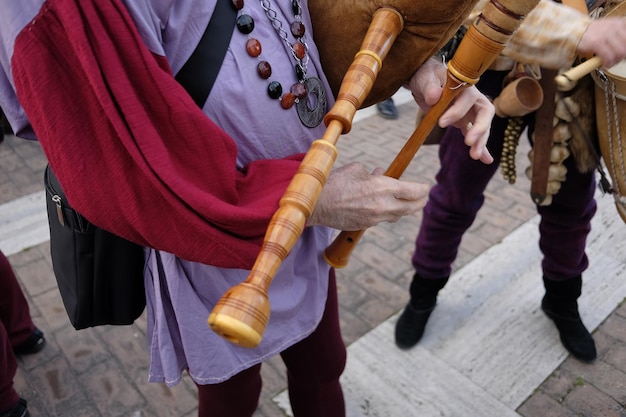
(242, 314)
(568, 79)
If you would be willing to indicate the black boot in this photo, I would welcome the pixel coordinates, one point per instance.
(560, 305)
(412, 322)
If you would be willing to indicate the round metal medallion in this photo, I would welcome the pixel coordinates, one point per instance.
(313, 108)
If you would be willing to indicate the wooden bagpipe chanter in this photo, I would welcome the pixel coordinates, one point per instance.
(355, 38)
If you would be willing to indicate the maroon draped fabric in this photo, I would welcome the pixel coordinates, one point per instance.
(134, 153)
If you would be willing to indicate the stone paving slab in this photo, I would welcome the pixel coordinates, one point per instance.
(488, 346)
(23, 223)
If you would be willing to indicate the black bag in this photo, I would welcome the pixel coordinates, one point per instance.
(100, 275)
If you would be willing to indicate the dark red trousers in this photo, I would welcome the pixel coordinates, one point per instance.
(314, 366)
(16, 326)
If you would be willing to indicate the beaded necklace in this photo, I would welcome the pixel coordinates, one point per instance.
(307, 94)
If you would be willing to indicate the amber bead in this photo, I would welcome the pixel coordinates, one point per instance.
(253, 46)
(297, 29)
(245, 24)
(286, 102)
(238, 4)
(274, 90)
(298, 90)
(264, 69)
(299, 50)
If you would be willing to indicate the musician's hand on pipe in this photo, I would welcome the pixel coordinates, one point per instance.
(427, 83)
(354, 199)
(605, 38)
(470, 111)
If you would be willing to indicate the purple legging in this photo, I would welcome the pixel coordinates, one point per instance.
(16, 326)
(314, 366)
(459, 194)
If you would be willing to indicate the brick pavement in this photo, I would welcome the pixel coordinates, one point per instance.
(102, 371)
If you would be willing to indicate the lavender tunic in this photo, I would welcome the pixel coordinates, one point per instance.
(180, 302)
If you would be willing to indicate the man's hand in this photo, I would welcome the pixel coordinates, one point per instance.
(354, 199)
(471, 111)
(605, 38)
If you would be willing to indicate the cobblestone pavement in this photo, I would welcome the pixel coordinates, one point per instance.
(102, 371)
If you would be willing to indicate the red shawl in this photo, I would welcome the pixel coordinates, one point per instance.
(134, 153)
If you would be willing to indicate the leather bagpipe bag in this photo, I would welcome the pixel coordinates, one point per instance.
(340, 26)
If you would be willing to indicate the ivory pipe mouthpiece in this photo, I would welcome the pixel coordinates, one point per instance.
(241, 315)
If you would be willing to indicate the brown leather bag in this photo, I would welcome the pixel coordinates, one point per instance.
(340, 26)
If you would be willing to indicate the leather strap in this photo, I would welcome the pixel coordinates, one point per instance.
(198, 74)
(544, 128)
(542, 143)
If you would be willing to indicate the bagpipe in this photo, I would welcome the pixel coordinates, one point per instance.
(354, 39)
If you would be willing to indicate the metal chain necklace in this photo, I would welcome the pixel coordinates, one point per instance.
(307, 94)
(297, 29)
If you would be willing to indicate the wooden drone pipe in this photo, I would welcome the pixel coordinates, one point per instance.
(480, 46)
(242, 314)
(568, 79)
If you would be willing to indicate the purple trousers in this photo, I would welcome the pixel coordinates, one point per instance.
(459, 193)
(16, 326)
(314, 366)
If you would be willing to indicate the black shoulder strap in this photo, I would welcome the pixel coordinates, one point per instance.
(199, 72)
